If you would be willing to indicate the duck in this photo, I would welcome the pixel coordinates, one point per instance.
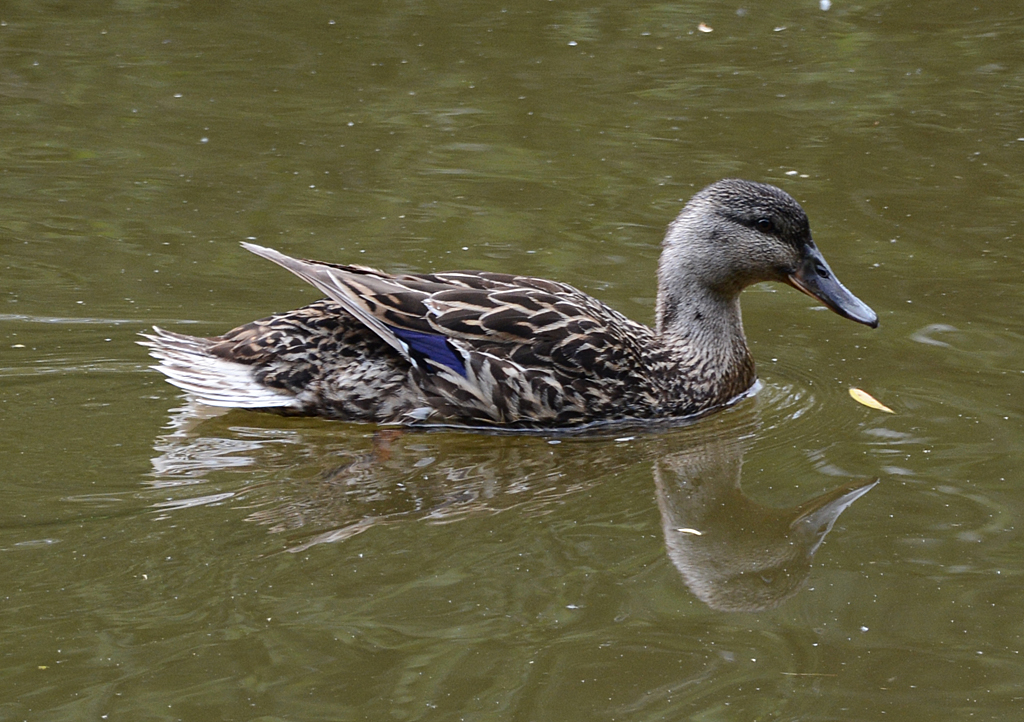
(505, 351)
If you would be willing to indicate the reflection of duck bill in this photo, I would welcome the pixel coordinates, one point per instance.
(816, 517)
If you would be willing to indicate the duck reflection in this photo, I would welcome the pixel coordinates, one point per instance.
(734, 554)
(317, 484)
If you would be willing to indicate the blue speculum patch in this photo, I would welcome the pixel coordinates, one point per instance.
(432, 346)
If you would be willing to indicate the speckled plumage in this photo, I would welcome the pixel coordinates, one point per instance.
(495, 350)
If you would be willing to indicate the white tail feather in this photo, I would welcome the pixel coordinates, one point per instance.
(187, 364)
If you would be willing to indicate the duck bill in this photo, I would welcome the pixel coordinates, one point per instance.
(816, 279)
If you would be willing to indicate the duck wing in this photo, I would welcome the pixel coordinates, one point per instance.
(382, 310)
(557, 328)
(437, 321)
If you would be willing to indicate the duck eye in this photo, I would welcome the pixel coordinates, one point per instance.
(764, 225)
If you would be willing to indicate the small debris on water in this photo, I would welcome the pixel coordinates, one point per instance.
(863, 397)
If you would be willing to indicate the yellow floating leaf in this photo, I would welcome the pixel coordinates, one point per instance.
(863, 397)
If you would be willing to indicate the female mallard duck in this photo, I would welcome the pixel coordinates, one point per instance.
(472, 348)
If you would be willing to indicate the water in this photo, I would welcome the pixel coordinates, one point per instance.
(245, 566)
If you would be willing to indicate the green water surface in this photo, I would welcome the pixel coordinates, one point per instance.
(158, 565)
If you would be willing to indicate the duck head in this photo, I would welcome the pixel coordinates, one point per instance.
(735, 233)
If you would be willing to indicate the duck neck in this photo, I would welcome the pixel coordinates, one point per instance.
(703, 331)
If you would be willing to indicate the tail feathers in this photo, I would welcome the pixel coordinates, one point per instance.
(188, 364)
